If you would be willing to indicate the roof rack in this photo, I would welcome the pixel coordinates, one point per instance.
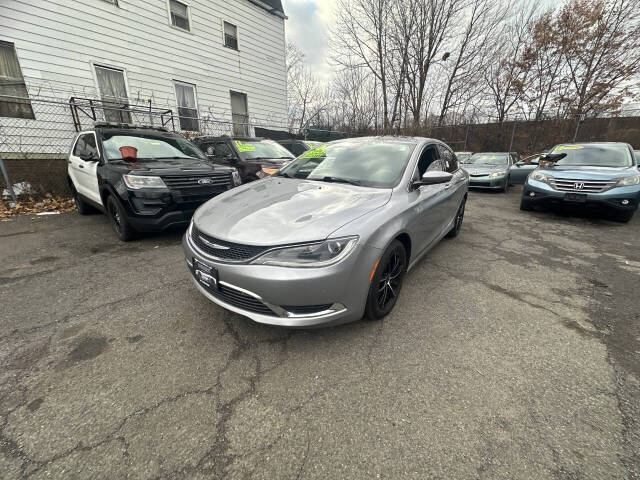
(129, 125)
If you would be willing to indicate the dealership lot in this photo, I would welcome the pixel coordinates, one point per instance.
(513, 352)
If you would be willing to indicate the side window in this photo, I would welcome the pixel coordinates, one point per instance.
(78, 150)
(90, 145)
(222, 150)
(449, 160)
(429, 160)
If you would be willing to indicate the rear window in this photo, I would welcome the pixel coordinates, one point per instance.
(594, 155)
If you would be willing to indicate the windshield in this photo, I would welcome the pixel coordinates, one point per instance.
(488, 159)
(147, 146)
(371, 163)
(463, 157)
(261, 149)
(594, 155)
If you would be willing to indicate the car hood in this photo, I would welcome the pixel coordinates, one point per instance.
(168, 166)
(278, 211)
(589, 172)
(483, 169)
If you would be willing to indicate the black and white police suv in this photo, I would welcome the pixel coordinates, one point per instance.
(144, 178)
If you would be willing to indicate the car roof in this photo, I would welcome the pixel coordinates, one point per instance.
(586, 144)
(389, 138)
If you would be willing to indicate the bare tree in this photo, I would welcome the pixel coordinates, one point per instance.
(601, 45)
(433, 19)
(479, 23)
(506, 75)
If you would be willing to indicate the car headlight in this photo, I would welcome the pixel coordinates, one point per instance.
(625, 182)
(540, 177)
(136, 182)
(317, 254)
(501, 173)
(235, 176)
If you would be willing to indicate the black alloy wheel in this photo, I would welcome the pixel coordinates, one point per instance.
(457, 224)
(124, 231)
(387, 281)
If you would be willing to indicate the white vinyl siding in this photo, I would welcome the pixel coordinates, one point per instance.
(72, 36)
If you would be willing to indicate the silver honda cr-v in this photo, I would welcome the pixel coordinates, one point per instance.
(329, 238)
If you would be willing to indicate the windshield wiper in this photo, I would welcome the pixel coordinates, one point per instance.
(337, 180)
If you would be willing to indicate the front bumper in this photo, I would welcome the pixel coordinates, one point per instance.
(487, 182)
(612, 199)
(290, 297)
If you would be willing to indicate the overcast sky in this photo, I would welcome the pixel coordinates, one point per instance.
(307, 27)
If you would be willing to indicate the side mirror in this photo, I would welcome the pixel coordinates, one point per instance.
(434, 177)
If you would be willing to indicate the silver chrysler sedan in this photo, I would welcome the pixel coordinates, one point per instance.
(329, 238)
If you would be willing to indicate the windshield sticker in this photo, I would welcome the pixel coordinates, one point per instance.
(315, 153)
(568, 147)
(245, 147)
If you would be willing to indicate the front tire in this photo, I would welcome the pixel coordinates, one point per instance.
(387, 282)
(623, 217)
(116, 213)
(526, 205)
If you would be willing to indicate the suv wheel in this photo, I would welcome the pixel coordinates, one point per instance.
(387, 282)
(623, 217)
(124, 231)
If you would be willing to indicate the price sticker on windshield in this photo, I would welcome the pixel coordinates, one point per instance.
(245, 147)
(315, 153)
(567, 147)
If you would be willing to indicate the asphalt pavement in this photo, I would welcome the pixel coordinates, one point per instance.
(513, 352)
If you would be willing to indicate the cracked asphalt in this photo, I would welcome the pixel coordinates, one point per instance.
(514, 352)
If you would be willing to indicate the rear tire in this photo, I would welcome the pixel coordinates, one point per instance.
(386, 284)
(118, 217)
(457, 224)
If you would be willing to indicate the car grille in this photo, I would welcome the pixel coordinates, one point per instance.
(239, 299)
(231, 252)
(179, 182)
(581, 185)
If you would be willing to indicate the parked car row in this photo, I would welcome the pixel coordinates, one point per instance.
(326, 237)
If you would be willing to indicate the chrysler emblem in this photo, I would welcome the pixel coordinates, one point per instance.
(215, 246)
(205, 181)
(578, 185)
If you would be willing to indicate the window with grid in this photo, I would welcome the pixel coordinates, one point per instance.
(187, 106)
(230, 35)
(179, 15)
(239, 114)
(14, 98)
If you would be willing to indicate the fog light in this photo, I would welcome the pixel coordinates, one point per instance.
(532, 194)
(625, 202)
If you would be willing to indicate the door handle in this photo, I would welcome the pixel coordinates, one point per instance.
(81, 166)
(447, 185)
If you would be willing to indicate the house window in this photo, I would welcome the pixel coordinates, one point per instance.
(230, 35)
(179, 15)
(12, 85)
(113, 91)
(187, 106)
(239, 114)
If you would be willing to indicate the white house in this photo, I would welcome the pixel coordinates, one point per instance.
(216, 61)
